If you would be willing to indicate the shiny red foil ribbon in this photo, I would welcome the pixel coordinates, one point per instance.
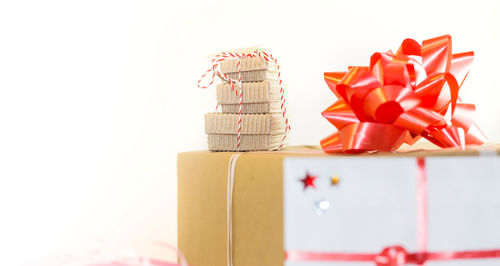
(397, 255)
(401, 97)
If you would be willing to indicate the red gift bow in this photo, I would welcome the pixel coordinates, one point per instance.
(401, 97)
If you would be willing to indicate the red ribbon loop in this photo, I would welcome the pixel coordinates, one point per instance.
(401, 97)
(392, 256)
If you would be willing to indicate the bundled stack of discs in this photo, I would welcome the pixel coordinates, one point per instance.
(263, 125)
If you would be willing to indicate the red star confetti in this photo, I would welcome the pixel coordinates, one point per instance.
(308, 181)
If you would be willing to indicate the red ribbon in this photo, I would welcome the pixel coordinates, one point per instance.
(402, 97)
(391, 256)
(397, 255)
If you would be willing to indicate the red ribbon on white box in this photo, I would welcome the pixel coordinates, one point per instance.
(237, 85)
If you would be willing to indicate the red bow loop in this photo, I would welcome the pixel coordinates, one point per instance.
(340, 114)
(402, 97)
(392, 256)
(436, 54)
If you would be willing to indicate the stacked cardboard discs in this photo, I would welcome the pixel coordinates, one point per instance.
(263, 126)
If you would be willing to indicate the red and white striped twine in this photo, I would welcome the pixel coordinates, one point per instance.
(214, 70)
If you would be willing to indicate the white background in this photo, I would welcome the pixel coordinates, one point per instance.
(97, 97)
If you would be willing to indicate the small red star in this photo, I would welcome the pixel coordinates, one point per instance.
(308, 181)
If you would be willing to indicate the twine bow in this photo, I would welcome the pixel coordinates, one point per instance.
(236, 85)
(402, 97)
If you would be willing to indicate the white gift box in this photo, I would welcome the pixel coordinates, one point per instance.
(375, 205)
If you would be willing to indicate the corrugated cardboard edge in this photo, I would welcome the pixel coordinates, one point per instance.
(253, 92)
(247, 142)
(247, 64)
(252, 108)
(255, 75)
(221, 123)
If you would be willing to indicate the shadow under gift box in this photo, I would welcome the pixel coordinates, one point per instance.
(373, 206)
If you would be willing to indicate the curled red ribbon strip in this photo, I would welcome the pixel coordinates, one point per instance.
(402, 97)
